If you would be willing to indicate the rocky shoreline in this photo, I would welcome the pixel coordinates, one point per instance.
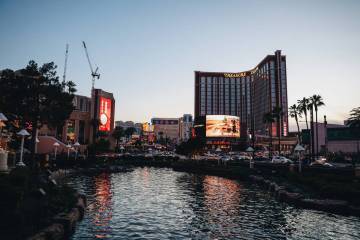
(299, 200)
(64, 224)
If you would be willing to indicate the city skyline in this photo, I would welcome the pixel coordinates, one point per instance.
(147, 52)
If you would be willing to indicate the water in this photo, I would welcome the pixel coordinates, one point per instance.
(151, 203)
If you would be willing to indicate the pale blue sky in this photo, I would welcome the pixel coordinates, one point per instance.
(147, 51)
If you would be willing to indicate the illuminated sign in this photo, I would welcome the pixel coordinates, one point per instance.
(222, 126)
(240, 74)
(232, 75)
(105, 114)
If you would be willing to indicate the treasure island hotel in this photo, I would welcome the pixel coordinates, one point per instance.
(248, 95)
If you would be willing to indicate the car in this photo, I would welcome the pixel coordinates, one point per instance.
(281, 159)
(319, 163)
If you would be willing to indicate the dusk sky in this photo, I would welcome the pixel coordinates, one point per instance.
(147, 51)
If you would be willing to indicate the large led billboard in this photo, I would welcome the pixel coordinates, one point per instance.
(105, 114)
(222, 126)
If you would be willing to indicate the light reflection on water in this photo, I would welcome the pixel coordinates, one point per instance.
(151, 203)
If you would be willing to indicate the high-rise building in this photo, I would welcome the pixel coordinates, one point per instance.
(185, 124)
(249, 95)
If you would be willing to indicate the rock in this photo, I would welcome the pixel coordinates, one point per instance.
(81, 205)
(267, 182)
(336, 206)
(53, 232)
(68, 221)
(354, 210)
(290, 197)
(277, 188)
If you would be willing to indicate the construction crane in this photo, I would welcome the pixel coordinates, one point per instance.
(65, 65)
(94, 74)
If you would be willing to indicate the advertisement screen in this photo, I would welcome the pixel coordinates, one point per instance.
(105, 114)
(222, 126)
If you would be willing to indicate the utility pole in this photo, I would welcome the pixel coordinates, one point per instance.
(66, 59)
(326, 137)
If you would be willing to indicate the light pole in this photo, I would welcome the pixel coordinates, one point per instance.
(36, 142)
(76, 146)
(299, 149)
(251, 150)
(56, 145)
(23, 133)
(68, 146)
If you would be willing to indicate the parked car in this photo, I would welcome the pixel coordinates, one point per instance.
(281, 159)
(319, 163)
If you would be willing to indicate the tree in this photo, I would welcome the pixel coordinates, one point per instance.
(36, 96)
(354, 119)
(303, 107)
(317, 102)
(278, 114)
(118, 133)
(268, 120)
(129, 131)
(310, 108)
(295, 112)
(354, 122)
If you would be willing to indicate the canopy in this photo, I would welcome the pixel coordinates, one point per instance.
(249, 149)
(23, 132)
(299, 148)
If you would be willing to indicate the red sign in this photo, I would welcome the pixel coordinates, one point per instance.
(105, 114)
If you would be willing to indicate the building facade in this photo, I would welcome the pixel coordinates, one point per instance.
(92, 118)
(167, 128)
(185, 126)
(248, 95)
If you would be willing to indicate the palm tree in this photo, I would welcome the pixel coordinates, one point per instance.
(310, 108)
(129, 132)
(303, 106)
(317, 102)
(278, 114)
(354, 119)
(295, 112)
(118, 133)
(268, 120)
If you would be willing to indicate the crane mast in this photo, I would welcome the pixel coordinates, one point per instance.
(94, 74)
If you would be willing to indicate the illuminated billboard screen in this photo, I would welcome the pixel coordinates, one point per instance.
(105, 114)
(222, 126)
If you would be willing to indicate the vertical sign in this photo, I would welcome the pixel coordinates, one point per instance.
(105, 114)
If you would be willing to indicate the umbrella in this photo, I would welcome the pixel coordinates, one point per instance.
(249, 149)
(2, 117)
(299, 148)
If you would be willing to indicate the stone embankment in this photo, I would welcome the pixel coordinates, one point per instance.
(300, 200)
(64, 224)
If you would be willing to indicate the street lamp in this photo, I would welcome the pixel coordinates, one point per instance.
(122, 149)
(56, 145)
(76, 145)
(251, 163)
(23, 133)
(298, 149)
(68, 146)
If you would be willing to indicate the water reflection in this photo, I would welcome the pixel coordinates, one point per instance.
(101, 208)
(151, 203)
